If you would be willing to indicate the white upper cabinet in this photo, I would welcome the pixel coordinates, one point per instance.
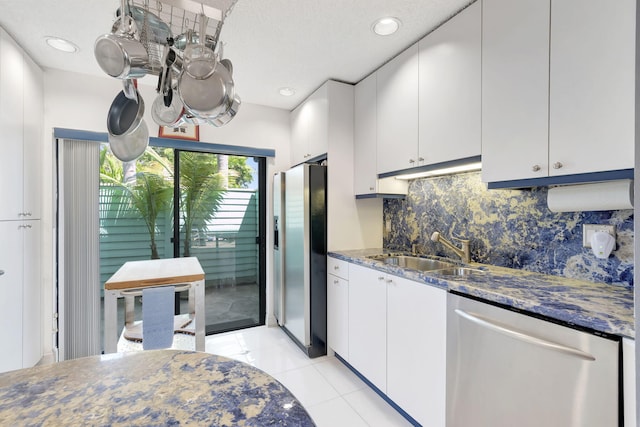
(33, 135)
(515, 85)
(21, 121)
(11, 110)
(309, 127)
(365, 136)
(450, 80)
(397, 112)
(558, 87)
(592, 81)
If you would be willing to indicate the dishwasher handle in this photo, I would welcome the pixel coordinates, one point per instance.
(524, 337)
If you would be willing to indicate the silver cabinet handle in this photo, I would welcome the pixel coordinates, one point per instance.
(557, 165)
(535, 168)
(381, 278)
(412, 161)
(421, 159)
(1, 272)
(524, 337)
(336, 267)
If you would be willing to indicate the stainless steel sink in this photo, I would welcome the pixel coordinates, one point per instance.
(459, 271)
(413, 262)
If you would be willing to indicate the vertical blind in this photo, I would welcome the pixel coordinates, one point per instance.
(78, 248)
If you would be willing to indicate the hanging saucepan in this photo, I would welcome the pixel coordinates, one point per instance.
(124, 114)
(130, 146)
(184, 39)
(120, 54)
(199, 60)
(207, 98)
(226, 117)
(128, 133)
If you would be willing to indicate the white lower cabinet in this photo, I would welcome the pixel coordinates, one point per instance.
(368, 324)
(416, 349)
(629, 381)
(338, 306)
(20, 295)
(397, 340)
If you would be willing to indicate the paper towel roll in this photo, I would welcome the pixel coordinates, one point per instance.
(600, 196)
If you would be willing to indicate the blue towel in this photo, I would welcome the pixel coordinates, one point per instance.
(157, 317)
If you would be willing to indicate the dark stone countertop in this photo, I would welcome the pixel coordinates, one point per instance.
(599, 306)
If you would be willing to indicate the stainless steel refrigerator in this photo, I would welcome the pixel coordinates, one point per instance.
(300, 256)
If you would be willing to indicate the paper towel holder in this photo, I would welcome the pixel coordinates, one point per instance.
(596, 196)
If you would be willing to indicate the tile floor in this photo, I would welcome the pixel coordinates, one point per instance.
(331, 393)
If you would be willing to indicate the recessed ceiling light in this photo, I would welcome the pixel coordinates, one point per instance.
(61, 44)
(386, 26)
(286, 91)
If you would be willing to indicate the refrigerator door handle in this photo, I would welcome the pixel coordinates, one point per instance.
(541, 342)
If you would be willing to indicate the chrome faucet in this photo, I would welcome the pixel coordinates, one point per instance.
(463, 253)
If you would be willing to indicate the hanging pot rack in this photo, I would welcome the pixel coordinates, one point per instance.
(181, 16)
(186, 31)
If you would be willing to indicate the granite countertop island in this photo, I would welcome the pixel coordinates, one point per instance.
(602, 307)
(156, 387)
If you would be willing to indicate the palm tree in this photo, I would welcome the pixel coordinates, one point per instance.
(202, 192)
(149, 193)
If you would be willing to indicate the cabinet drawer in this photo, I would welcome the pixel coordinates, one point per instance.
(338, 268)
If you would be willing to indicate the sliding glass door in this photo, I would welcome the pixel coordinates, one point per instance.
(178, 203)
(219, 223)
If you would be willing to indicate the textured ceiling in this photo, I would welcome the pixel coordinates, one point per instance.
(272, 43)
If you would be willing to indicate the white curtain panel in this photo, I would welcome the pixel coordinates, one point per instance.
(78, 263)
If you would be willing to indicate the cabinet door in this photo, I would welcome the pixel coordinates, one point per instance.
(32, 295)
(338, 315)
(318, 122)
(515, 89)
(365, 136)
(592, 76)
(33, 138)
(629, 381)
(397, 106)
(298, 135)
(368, 324)
(416, 349)
(11, 295)
(450, 82)
(11, 119)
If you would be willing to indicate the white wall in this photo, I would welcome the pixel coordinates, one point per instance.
(81, 102)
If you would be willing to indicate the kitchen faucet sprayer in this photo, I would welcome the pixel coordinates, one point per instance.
(464, 253)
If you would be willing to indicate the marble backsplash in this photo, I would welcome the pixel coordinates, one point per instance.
(507, 228)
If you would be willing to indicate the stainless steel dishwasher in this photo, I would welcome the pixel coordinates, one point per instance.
(509, 369)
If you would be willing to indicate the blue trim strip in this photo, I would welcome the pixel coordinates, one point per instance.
(211, 148)
(434, 166)
(380, 196)
(233, 150)
(564, 179)
(80, 135)
(379, 392)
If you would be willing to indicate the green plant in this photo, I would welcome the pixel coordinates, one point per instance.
(202, 192)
